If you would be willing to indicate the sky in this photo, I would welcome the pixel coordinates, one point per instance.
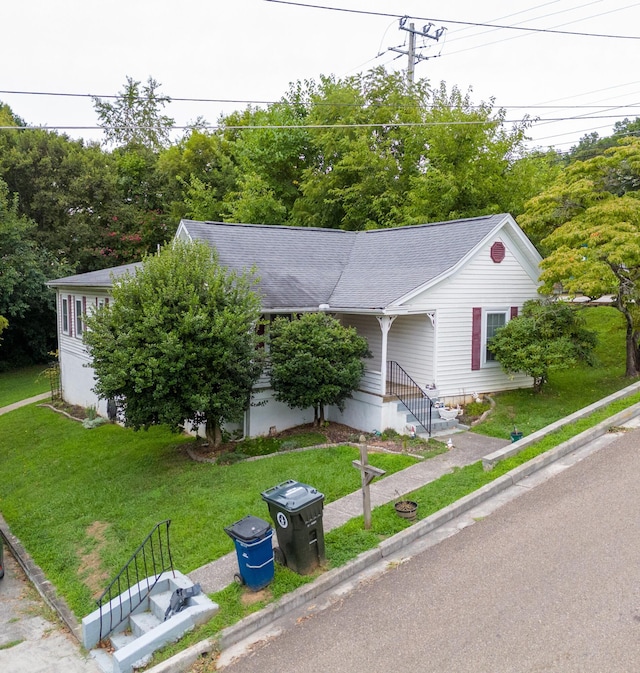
(251, 50)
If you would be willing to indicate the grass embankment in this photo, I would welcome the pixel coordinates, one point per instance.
(20, 384)
(81, 501)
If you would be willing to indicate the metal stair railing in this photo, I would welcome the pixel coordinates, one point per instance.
(142, 571)
(400, 384)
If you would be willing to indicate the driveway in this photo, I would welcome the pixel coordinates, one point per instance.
(31, 640)
(549, 582)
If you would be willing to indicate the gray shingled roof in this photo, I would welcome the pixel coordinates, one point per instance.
(101, 278)
(304, 267)
(301, 267)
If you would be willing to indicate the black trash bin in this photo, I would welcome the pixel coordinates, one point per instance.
(296, 510)
(252, 537)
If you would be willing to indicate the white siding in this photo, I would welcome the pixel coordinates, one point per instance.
(479, 283)
(368, 327)
(411, 346)
(76, 377)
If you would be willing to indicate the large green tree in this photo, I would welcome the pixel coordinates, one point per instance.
(588, 222)
(315, 361)
(545, 337)
(25, 300)
(179, 342)
(135, 116)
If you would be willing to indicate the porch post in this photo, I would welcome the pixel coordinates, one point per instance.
(385, 325)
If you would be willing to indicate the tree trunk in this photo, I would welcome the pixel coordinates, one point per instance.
(632, 365)
(213, 433)
(321, 414)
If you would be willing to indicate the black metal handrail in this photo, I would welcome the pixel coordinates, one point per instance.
(142, 570)
(400, 384)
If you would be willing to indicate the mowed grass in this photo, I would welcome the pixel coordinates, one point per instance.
(569, 390)
(57, 479)
(20, 384)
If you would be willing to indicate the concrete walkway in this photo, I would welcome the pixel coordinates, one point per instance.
(23, 403)
(468, 448)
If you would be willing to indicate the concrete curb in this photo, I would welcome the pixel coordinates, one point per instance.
(491, 460)
(39, 581)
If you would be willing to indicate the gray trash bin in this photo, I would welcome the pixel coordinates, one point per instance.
(296, 510)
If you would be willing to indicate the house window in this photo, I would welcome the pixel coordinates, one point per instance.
(65, 315)
(494, 320)
(79, 317)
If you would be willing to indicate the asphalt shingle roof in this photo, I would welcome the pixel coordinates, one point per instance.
(300, 267)
(303, 267)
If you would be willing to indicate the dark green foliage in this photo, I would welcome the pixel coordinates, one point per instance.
(178, 342)
(546, 336)
(25, 301)
(315, 361)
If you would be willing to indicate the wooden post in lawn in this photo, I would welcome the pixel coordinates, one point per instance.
(367, 474)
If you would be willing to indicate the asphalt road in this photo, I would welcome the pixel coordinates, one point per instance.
(549, 582)
(31, 639)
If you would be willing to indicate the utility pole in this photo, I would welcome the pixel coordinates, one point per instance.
(412, 56)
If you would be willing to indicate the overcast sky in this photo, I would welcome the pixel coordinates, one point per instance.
(250, 50)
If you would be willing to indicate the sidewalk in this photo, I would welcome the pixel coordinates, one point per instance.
(23, 403)
(468, 448)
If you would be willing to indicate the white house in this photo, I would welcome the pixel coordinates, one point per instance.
(427, 298)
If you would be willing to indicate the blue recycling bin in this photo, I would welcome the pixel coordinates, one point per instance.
(254, 549)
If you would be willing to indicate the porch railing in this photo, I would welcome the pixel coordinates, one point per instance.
(136, 579)
(400, 384)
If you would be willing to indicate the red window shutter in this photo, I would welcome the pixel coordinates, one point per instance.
(476, 338)
(514, 312)
(106, 301)
(71, 307)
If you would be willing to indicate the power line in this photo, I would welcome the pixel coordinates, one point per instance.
(460, 23)
(322, 103)
(223, 127)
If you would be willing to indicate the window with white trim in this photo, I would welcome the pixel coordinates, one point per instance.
(79, 317)
(493, 321)
(65, 315)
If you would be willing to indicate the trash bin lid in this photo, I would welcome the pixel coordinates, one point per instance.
(292, 495)
(248, 529)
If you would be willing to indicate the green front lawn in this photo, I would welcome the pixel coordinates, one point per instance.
(20, 384)
(58, 479)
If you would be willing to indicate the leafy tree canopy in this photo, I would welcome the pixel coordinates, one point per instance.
(315, 361)
(25, 301)
(135, 117)
(589, 223)
(544, 337)
(179, 342)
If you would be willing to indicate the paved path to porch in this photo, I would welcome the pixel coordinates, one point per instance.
(468, 448)
(23, 403)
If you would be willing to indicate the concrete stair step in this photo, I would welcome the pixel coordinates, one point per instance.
(103, 659)
(122, 639)
(158, 603)
(143, 622)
